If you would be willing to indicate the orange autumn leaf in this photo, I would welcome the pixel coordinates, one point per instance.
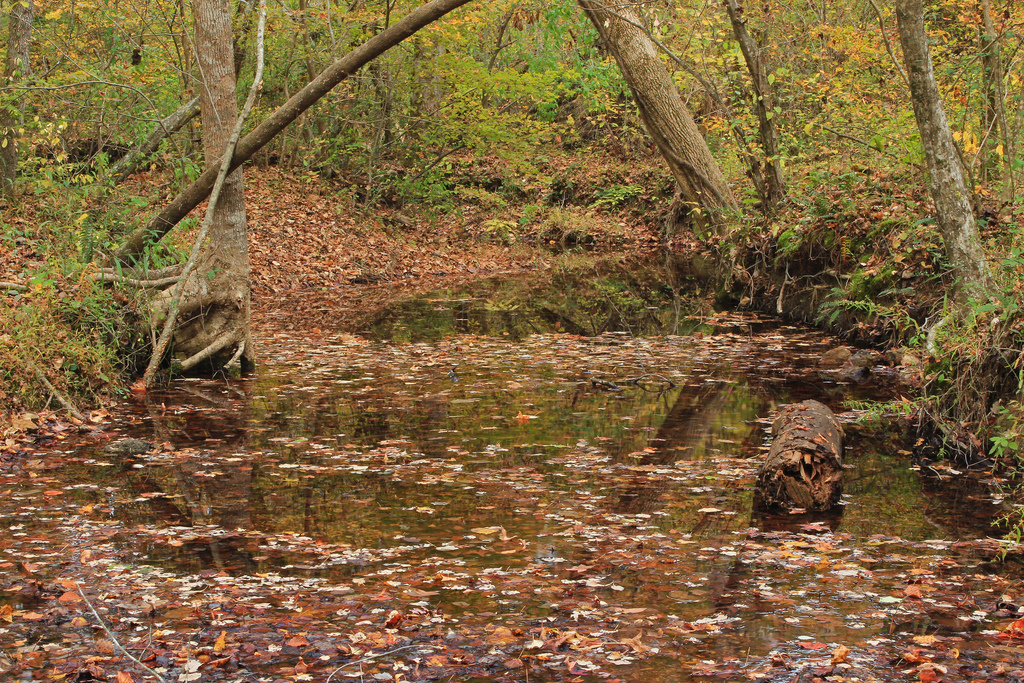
(70, 598)
(218, 646)
(1015, 629)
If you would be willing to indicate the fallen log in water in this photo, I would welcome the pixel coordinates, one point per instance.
(805, 464)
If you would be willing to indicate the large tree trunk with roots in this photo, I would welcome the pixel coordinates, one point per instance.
(709, 201)
(16, 68)
(952, 202)
(214, 309)
(136, 243)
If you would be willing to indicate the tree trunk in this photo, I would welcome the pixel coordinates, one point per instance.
(16, 68)
(164, 129)
(946, 175)
(215, 303)
(764, 104)
(996, 91)
(804, 467)
(200, 189)
(703, 188)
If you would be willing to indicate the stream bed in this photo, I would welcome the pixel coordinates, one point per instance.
(437, 498)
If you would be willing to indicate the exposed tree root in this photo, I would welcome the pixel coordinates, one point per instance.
(161, 283)
(219, 344)
(238, 354)
(146, 273)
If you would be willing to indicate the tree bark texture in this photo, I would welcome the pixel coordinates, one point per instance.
(764, 105)
(701, 183)
(804, 468)
(195, 193)
(956, 222)
(17, 67)
(994, 78)
(215, 303)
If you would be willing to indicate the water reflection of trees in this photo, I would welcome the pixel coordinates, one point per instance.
(587, 300)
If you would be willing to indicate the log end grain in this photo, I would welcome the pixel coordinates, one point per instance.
(804, 468)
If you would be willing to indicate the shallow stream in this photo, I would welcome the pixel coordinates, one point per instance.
(464, 492)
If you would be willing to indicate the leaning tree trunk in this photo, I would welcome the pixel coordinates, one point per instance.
(804, 467)
(17, 68)
(136, 243)
(215, 301)
(165, 128)
(952, 202)
(764, 104)
(701, 183)
(996, 91)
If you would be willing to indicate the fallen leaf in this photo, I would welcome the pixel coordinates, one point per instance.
(70, 598)
(501, 636)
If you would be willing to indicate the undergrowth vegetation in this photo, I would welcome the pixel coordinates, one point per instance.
(65, 333)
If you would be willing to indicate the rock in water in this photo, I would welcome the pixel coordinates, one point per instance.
(804, 468)
(129, 447)
(835, 358)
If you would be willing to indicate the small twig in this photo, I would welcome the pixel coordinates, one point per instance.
(113, 638)
(666, 380)
(606, 385)
(372, 657)
(59, 396)
(865, 143)
(13, 286)
(888, 45)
